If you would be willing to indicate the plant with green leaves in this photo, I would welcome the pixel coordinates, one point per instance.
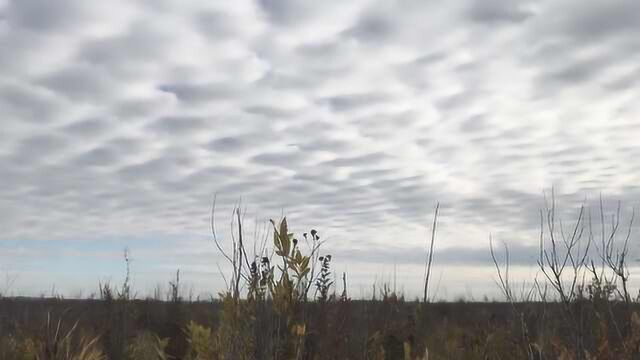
(324, 281)
(147, 346)
(293, 271)
(56, 342)
(203, 344)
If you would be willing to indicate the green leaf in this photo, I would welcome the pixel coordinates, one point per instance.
(276, 240)
(283, 227)
(304, 264)
(284, 238)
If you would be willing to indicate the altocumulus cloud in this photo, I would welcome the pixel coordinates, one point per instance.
(120, 120)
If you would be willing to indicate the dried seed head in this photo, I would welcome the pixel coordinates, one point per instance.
(313, 232)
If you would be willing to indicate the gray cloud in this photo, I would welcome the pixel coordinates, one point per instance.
(177, 125)
(283, 159)
(357, 161)
(81, 82)
(152, 170)
(372, 27)
(473, 124)
(199, 92)
(136, 52)
(216, 25)
(29, 103)
(283, 79)
(498, 11)
(89, 128)
(581, 45)
(349, 102)
(602, 20)
(578, 72)
(144, 107)
(44, 15)
(270, 112)
(287, 12)
(325, 144)
(99, 157)
(228, 144)
(40, 149)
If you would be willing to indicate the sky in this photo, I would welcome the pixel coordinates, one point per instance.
(120, 121)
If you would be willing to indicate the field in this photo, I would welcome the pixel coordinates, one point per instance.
(387, 328)
(285, 303)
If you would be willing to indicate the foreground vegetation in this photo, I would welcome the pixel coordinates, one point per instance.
(282, 302)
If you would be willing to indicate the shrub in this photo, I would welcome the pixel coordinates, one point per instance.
(147, 346)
